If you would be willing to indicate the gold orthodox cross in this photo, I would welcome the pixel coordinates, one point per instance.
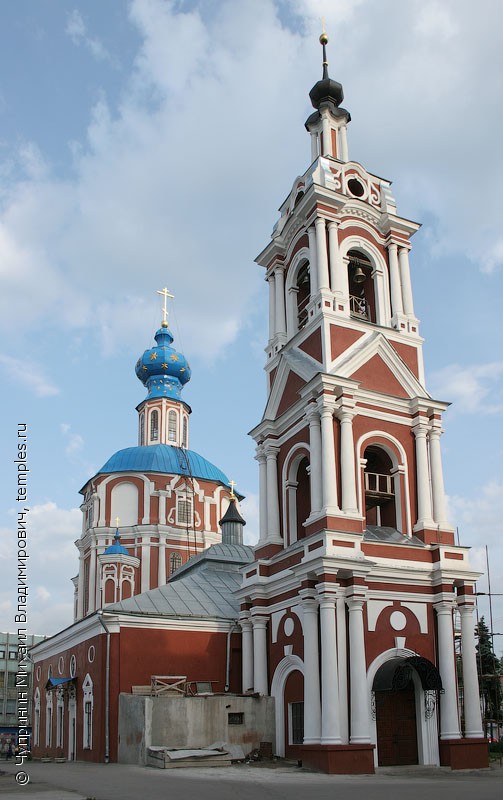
(232, 485)
(165, 293)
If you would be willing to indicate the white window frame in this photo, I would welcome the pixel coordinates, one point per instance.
(87, 713)
(60, 716)
(154, 414)
(48, 719)
(185, 519)
(174, 557)
(36, 717)
(172, 426)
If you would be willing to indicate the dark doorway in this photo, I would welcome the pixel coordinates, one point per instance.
(396, 727)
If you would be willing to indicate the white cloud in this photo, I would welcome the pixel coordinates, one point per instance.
(472, 388)
(28, 374)
(77, 30)
(74, 441)
(53, 560)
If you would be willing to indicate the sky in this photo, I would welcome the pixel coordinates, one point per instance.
(149, 143)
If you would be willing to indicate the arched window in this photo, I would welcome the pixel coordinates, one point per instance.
(185, 432)
(361, 287)
(175, 562)
(380, 505)
(303, 294)
(172, 426)
(297, 497)
(154, 425)
(36, 721)
(48, 719)
(142, 430)
(60, 714)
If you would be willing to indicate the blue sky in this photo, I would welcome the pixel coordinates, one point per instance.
(148, 143)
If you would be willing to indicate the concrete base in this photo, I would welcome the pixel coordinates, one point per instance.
(464, 753)
(339, 759)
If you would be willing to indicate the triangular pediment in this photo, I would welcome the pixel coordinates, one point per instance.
(294, 371)
(376, 365)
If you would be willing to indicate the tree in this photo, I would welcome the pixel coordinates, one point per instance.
(490, 669)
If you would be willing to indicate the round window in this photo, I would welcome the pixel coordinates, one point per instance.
(38, 673)
(355, 187)
(91, 653)
(61, 664)
(73, 667)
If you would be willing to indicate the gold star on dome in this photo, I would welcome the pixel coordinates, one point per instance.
(174, 358)
(182, 369)
(164, 365)
(144, 367)
(153, 356)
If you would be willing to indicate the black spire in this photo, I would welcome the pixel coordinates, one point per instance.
(326, 90)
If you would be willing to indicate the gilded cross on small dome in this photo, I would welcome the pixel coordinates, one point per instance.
(117, 520)
(232, 485)
(165, 293)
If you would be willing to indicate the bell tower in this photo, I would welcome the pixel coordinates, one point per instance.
(350, 437)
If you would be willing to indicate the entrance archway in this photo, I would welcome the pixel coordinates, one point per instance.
(405, 690)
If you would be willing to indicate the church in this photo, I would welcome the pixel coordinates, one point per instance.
(345, 614)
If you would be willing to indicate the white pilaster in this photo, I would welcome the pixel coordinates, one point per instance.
(80, 587)
(312, 704)
(145, 563)
(315, 459)
(262, 465)
(360, 716)
(330, 707)
(273, 522)
(348, 476)
(327, 134)
(471, 694)
(343, 132)
(437, 476)
(328, 466)
(314, 146)
(247, 653)
(424, 517)
(449, 720)
(321, 254)
(338, 272)
(92, 575)
(260, 683)
(161, 570)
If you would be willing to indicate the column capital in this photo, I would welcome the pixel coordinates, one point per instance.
(420, 428)
(436, 429)
(466, 609)
(345, 414)
(333, 223)
(325, 407)
(444, 606)
(260, 453)
(355, 602)
(309, 601)
(271, 451)
(278, 269)
(259, 620)
(312, 413)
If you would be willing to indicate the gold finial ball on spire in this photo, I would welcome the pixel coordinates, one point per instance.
(323, 38)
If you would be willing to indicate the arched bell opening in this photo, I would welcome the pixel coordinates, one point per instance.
(380, 500)
(303, 497)
(296, 494)
(362, 303)
(303, 287)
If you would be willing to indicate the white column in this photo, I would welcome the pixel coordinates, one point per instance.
(313, 262)
(291, 311)
(449, 720)
(321, 253)
(247, 653)
(344, 156)
(315, 459)
(92, 576)
(80, 587)
(262, 498)
(422, 476)
(394, 279)
(403, 258)
(348, 476)
(437, 477)
(279, 280)
(312, 705)
(145, 564)
(161, 569)
(314, 146)
(342, 668)
(471, 693)
(328, 467)
(272, 306)
(260, 683)
(273, 524)
(360, 716)
(330, 715)
(338, 271)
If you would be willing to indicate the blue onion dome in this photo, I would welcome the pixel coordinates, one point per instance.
(116, 549)
(162, 369)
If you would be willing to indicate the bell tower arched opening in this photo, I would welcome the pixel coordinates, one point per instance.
(303, 286)
(362, 304)
(380, 501)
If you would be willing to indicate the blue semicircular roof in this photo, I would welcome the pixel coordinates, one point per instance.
(164, 458)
